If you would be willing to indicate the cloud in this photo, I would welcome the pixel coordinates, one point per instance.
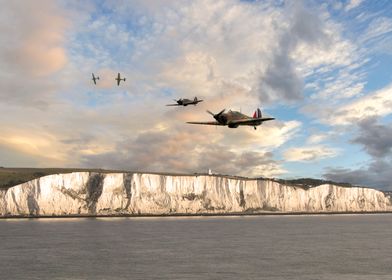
(317, 138)
(33, 145)
(377, 174)
(327, 62)
(378, 27)
(253, 44)
(35, 37)
(352, 4)
(184, 150)
(281, 78)
(375, 138)
(313, 153)
(372, 105)
(168, 143)
(32, 53)
(346, 85)
(270, 135)
(198, 48)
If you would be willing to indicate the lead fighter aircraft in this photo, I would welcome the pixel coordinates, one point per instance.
(234, 119)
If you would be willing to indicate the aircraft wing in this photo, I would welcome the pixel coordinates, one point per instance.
(251, 121)
(118, 82)
(207, 123)
(173, 104)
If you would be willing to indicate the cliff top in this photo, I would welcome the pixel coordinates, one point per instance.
(307, 183)
(13, 176)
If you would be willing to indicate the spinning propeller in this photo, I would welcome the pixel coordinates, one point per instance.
(179, 101)
(220, 118)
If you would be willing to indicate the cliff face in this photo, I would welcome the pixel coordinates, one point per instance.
(124, 193)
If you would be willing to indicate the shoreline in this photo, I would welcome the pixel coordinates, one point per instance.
(75, 216)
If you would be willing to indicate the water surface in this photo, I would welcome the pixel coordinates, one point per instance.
(253, 247)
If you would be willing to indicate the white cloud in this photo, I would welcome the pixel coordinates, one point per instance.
(317, 138)
(312, 153)
(372, 105)
(377, 32)
(269, 135)
(332, 67)
(31, 52)
(192, 46)
(341, 89)
(352, 4)
(36, 144)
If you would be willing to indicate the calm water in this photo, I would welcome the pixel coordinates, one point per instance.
(257, 247)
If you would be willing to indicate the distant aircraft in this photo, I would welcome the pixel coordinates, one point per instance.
(95, 78)
(185, 102)
(119, 79)
(233, 119)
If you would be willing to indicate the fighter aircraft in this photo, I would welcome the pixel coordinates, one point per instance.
(119, 79)
(233, 119)
(185, 102)
(95, 78)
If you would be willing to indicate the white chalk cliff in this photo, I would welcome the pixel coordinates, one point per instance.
(84, 193)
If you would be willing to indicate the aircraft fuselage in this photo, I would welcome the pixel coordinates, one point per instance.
(234, 119)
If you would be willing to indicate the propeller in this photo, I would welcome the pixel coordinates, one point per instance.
(220, 118)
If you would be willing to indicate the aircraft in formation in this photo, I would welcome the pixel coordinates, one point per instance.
(185, 102)
(95, 78)
(118, 79)
(234, 119)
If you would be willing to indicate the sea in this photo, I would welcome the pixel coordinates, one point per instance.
(239, 247)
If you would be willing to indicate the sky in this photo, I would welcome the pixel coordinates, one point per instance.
(321, 69)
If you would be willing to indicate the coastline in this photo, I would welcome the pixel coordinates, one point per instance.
(84, 194)
(234, 214)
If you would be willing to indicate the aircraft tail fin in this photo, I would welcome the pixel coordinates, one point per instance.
(195, 99)
(257, 114)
